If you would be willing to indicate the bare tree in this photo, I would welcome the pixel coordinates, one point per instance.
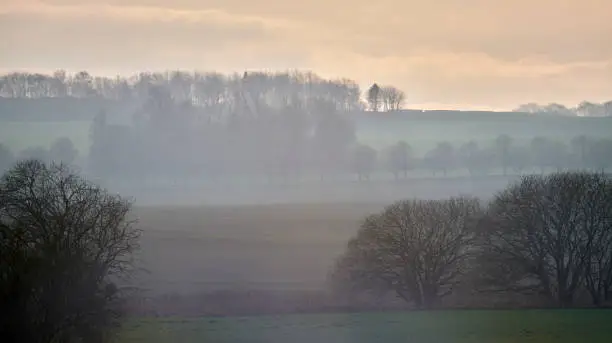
(503, 143)
(400, 158)
(64, 242)
(392, 99)
(580, 147)
(373, 97)
(542, 232)
(476, 160)
(364, 161)
(589, 109)
(440, 158)
(598, 275)
(418, 249)
(608, 108)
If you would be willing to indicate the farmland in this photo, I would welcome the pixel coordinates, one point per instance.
(473, 326)
(196, 249)
(193, 247)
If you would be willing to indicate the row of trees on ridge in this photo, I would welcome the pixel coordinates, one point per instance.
(122, 152)
(213, 91)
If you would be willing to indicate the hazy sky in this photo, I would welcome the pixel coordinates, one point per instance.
(443, 53)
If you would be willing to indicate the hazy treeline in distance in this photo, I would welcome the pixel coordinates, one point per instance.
(278, 126)
(209, 88)
(159, 134)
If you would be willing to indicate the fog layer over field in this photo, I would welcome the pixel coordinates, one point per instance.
(257, 181)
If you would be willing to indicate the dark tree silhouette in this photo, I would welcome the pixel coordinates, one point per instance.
(544, 234)
(392, 99)
(333, 136)
(580, 149)
(417, 249)
(440, 158)
(503, 145)
(374, 97)
(364, 161)
(64, 242)
(400, 159)
(477, 161)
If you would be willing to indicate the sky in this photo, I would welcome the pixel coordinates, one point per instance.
(465, 54)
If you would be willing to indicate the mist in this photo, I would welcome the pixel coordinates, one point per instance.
(255, 181)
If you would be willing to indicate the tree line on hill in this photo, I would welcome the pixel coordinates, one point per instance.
(583, 109)
(278, 126)
(218, 92)
(215, 92)
(167, 140)
(548, 237)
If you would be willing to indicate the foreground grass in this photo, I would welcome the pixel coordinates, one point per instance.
(541, 326)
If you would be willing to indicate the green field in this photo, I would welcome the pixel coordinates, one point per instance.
(538, 326)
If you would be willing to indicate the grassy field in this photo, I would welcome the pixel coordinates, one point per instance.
(537, 326)
(196, 249)
(284, 245)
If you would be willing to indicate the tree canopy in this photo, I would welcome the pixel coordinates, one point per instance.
(64, 244)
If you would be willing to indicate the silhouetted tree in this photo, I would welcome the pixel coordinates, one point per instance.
(503, 144)
(441, 158)
(541, 233)
(608, 108)
(333, 135)
(364, 161)
(374, 97)
(64, 242)
(400, 159)
(589, 109)
(580, 150)
(391, 98)
(418, 249)
(113, 150)
(476, 160)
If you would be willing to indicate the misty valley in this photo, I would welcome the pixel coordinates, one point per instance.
(273, 207)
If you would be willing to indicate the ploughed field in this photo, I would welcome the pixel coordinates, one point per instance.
(474, 326)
